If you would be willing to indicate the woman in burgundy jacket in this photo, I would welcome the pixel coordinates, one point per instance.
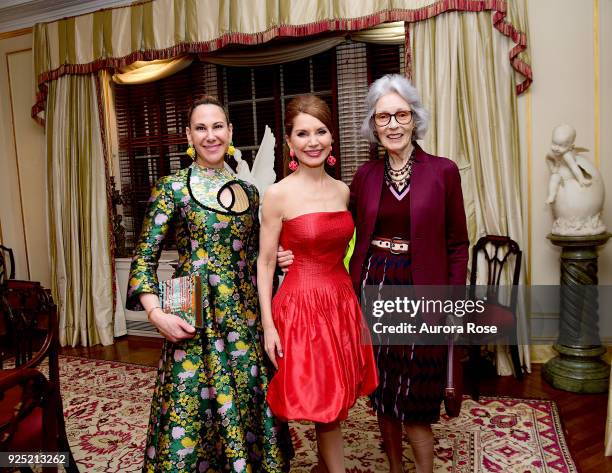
(411, 229)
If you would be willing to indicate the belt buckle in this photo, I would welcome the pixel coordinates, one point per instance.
(393, 242)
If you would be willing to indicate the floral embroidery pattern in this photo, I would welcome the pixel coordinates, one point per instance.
(208, 411)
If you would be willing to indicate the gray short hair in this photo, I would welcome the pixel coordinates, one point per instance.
(399, 84)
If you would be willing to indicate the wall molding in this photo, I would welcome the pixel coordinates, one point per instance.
(529, 145)
(596, 88)
(13, 34)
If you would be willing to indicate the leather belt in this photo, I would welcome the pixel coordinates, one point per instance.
(395, 245)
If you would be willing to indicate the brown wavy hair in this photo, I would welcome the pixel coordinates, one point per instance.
(312, 105)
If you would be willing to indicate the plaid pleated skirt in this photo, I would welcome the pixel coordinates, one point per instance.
(411, 377)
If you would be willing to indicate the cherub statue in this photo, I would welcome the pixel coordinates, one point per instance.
(575, 188)
(561, 161)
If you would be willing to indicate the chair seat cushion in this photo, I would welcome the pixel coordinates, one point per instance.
(8, 404)
(29, 434)
(498, 316)
(495, 314)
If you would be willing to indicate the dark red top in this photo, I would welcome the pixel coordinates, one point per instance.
(389, 224)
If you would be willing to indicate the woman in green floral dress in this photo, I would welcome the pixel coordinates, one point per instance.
(208, 411)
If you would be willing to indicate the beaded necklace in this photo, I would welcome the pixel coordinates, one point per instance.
(399, 179)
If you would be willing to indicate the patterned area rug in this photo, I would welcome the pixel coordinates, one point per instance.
(107, 406)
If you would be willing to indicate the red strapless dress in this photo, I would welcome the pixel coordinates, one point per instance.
(327, 361)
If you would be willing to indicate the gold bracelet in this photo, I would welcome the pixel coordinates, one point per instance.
(148, 312)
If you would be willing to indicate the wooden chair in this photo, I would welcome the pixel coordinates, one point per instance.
(31, 411)
(499, 252)
(7, 264)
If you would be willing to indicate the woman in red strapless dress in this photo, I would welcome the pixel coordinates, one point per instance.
(325, 366)
(314, 331)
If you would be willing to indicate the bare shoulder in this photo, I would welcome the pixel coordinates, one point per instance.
(274, 191)
(285, 183)
(342, 188)
(273, 198)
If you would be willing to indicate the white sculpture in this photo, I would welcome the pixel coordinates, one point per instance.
(575, 188)
(262, 173)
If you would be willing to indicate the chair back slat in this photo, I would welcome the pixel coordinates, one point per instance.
(7, 264)
(498, 254)
(28, 314)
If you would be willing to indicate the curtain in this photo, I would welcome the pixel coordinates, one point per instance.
(277, 53)
(162, 29)
(274, 53)
(387, 33)
(468, 87)
(82, 282)
(141, 72)
(108, 129)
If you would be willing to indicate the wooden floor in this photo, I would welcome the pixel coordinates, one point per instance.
(583, 416)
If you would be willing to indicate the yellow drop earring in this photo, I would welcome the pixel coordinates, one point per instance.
(191, 152)
(231, 150)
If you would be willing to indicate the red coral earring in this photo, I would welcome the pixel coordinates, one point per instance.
(293, 164)
(331, 160)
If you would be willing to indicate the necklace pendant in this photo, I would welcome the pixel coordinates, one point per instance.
(400, 186)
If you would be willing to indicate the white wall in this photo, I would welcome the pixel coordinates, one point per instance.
(23, 216)
(563, 36)
(571, 55)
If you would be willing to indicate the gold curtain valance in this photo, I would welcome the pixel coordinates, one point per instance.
(274, 53)
(142, 72)
(162, 29)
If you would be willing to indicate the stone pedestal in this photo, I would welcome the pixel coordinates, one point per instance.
(578, 367)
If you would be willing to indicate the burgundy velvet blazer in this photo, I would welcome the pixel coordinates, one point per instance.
(438, 231)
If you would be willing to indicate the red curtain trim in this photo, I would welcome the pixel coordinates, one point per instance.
(507, 29)
(407, 51)
(352, 24)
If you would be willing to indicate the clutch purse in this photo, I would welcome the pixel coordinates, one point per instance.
(453, 393)
(183, 297)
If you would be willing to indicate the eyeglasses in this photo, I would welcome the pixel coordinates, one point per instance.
(403, 117)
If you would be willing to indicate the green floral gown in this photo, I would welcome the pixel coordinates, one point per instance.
(208, 411)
